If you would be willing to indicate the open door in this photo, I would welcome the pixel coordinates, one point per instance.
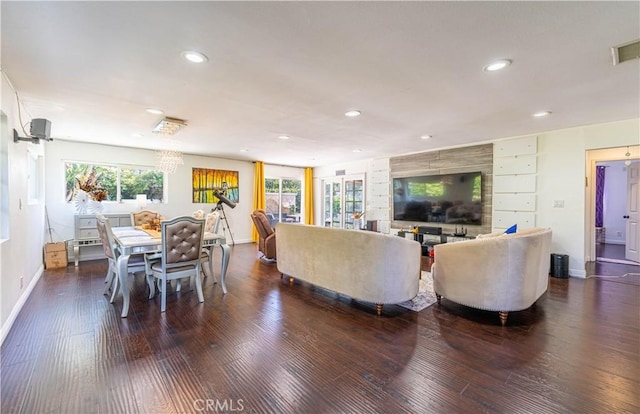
(632, 250)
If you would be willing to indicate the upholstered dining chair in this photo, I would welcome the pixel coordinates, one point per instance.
(266, 234)
(181, 255)
(211, 225)
(139, 218)
(136, 262)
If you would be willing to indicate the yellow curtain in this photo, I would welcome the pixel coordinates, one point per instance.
(308, 195)
(259, 198)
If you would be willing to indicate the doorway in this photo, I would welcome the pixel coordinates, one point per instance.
(609, 234)
(611, 200)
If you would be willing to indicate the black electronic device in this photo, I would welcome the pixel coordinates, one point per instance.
(40, 129)
(444, 198)
(429, 230)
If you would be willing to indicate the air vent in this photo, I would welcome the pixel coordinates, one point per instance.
(626, 51)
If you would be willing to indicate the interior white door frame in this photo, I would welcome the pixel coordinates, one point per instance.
(593, 157)
(632, 237)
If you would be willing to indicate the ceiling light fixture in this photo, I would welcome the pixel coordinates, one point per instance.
(497, 65)
(167, 161)
(194, 57)
(284, 137)
(352, 114)
(425, 137)
(155, 111)
(627, 162)
(169, 126)
(541, 114)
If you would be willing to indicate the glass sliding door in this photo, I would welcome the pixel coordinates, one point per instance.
(342, 197)
(283, 200)
(353, 197)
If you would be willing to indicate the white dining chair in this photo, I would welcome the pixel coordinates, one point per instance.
(136, 262)
(181, 256)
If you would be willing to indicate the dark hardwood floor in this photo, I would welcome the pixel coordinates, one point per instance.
(268, 346)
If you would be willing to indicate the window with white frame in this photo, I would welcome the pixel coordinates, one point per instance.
(112, 182)
(4, 177)
(283, 200)
(34, 177)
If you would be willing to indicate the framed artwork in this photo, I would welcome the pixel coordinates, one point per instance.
(205, 181)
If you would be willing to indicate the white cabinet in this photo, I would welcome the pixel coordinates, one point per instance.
(86, 231)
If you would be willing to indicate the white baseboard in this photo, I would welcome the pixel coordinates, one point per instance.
(578, 273)
(21, 301)
(606, 241)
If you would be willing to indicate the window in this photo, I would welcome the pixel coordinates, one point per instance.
(4, 177)
(115, 182)
(283, 200)
(34, 179)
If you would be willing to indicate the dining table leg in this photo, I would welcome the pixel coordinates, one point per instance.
(123, 273)
(223, 267)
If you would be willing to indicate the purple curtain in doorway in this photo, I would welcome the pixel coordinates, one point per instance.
(599, 195)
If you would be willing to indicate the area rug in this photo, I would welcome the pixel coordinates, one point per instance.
(425, 297)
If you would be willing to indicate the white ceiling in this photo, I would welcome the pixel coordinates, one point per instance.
(294, 68)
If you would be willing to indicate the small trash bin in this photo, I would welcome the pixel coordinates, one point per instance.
(559, 265)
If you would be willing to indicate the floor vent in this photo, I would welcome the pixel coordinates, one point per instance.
(626, 51)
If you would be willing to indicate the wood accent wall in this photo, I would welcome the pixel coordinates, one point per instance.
(456, 160)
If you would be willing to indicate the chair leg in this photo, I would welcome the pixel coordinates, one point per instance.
(107, 278)
(163, 301)
(151, 282)
(114, 288)
(111, 276)
(198, 283)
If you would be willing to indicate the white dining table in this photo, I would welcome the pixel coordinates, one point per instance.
(135, 240)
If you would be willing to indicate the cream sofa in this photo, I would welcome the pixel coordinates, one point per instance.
(496, 272)
(364, 265)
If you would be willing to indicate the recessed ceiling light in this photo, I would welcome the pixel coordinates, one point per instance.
(194, 57)
(497, 65)
(352, 114)
(284, 137)
(541, 114)
(155, 111)
(425, 137)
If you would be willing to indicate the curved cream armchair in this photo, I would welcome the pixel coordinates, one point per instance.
(496, 272)
(364, 265)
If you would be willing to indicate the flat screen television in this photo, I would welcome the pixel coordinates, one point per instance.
(446, 198)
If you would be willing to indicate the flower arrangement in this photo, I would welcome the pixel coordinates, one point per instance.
(89, 185)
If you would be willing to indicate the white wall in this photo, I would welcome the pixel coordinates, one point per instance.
(562, 162)
(21, 253)
(179, 187)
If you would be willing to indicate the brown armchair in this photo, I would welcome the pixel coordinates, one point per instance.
(267, 235)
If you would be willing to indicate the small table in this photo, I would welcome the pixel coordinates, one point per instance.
(134, 240)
